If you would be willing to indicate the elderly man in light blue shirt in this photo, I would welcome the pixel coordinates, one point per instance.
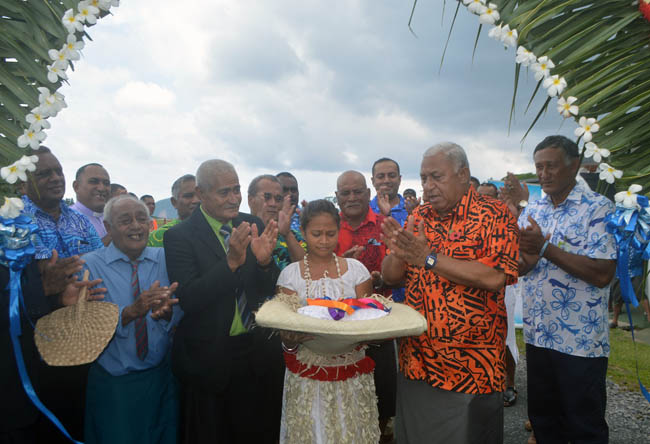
(131, 393)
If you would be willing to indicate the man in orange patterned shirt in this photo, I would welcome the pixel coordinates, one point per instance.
(456, 254)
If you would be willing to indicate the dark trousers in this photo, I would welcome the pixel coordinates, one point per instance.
(25, 435)
(385, 377)
(237, 415)
(63, 391)
(566, 397)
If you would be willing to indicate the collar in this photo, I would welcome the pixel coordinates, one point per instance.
(458, 211)
(575, 195)
(86, 211)
(31, 207)
(371, 217)
(112, 254)
(214, 223)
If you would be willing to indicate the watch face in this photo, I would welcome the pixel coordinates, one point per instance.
(523, 203)
(430, 261)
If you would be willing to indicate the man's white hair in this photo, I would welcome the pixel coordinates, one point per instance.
(209, 170)
(108, 208)
(455, 153)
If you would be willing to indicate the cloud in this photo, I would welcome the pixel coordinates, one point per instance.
(314, 87)
(140, 95)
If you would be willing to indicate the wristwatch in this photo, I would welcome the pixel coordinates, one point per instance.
(522, 204)
(431, 260)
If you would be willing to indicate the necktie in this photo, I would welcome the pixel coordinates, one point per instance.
(242, 301)
(141, 338)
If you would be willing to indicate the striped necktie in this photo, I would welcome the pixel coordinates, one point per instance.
(141, 338)
(242, 301)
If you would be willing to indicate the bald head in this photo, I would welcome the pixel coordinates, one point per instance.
(351, 175)
(353, 196)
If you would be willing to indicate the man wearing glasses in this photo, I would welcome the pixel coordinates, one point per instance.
(267, 201)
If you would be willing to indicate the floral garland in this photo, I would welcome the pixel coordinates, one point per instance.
(554, 85)
(51, 102)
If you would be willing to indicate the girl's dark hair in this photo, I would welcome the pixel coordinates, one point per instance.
(316, 207)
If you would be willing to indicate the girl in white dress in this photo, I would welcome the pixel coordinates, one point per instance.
(327, 399)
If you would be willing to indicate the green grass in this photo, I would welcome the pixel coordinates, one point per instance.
(621, 368)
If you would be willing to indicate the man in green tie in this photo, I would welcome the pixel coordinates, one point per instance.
(221, 259)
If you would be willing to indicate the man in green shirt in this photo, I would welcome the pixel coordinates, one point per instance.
(185, 200)
(221, 259)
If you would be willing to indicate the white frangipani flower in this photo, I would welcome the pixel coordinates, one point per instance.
(54, 72)
(27, 163)
(72, 22)
(509, 36)
(608, 173)
(554, 85)
(12, 173)
(542, 68)
(566, 106)
(474, 6)
(51, 103)
(59, 57)
(12, 207)
(495, 33)
(71, 47)
(525, 57)
(87, 12)
(37, 120)
(591, 149)
(31, 138)
(586, 128)
(17, 170)
(628, 198)
(489, 14)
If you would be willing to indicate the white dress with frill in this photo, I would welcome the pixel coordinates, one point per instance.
(328, 412)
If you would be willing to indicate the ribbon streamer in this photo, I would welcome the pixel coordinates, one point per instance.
(338, 309)
(16, 251)
(631, 230)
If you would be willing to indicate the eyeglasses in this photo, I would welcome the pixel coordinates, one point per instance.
(277, 197)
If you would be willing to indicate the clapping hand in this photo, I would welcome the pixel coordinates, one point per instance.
(70, 294)
(284, 216)
(531, 238)
(405, 243)
(163, 310)
(57, 273)
(240, 237)
(264, 244)
(383, 202)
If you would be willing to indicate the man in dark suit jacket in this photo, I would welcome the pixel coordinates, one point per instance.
(217, 256)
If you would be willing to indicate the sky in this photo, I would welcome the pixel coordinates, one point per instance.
(313, 87)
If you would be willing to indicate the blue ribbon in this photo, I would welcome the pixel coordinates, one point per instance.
(16, 251)
(631, 229)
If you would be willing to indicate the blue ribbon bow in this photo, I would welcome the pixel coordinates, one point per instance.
(631, 229)
(16, 251)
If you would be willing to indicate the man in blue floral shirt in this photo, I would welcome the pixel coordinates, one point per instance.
(69, 234)
(567, 262)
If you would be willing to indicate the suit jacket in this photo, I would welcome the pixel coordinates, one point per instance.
(203, 349)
